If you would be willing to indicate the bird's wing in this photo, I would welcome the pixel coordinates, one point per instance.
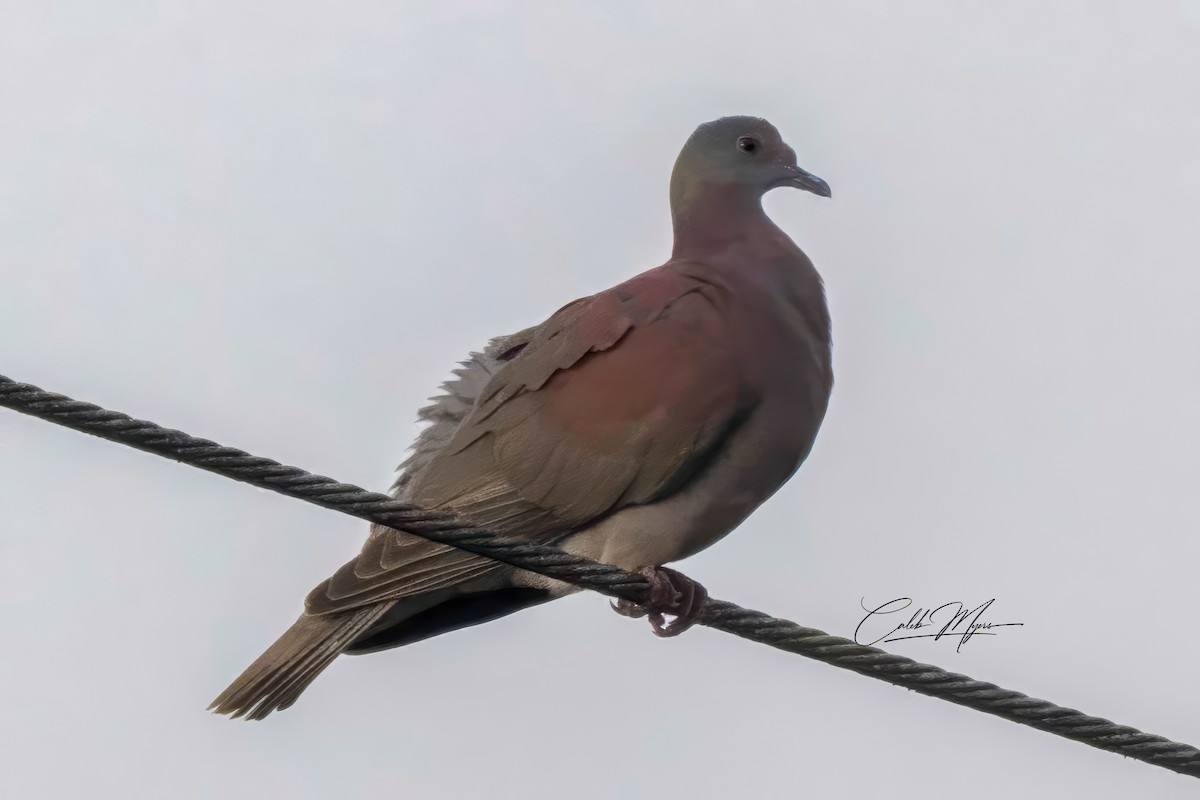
(616, 400)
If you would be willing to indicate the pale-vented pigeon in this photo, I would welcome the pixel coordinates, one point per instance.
(636, 427)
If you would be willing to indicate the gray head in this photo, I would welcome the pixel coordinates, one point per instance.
(742, 155)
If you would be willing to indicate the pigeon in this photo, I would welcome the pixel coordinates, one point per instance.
(636, 427)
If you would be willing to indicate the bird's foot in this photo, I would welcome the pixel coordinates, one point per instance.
(671, 593)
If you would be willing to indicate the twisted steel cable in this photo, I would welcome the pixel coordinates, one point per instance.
(604, 578)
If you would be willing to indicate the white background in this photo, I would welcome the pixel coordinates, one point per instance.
(278, 225)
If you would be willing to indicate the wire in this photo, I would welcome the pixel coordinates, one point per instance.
(604, 578)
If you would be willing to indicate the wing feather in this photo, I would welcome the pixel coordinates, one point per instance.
(615, 400)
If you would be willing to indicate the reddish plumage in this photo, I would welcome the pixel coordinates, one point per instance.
(637, 425)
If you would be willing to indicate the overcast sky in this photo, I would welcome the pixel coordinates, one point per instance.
(279, 224)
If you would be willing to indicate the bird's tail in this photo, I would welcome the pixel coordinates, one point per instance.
(279, 675)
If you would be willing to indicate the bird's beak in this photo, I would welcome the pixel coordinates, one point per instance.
(807, 181)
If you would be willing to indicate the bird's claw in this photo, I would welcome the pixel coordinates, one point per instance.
(671, 593)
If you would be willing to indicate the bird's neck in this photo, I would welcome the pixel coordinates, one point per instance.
(711, 219)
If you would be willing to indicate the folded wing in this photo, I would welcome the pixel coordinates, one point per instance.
(616, 400)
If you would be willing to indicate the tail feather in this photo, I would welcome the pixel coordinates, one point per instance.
(279, 675)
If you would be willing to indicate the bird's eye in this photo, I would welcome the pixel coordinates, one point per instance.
(748, 144)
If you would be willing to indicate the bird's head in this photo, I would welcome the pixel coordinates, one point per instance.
(742, 153)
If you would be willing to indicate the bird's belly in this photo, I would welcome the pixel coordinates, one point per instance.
(760, 456)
